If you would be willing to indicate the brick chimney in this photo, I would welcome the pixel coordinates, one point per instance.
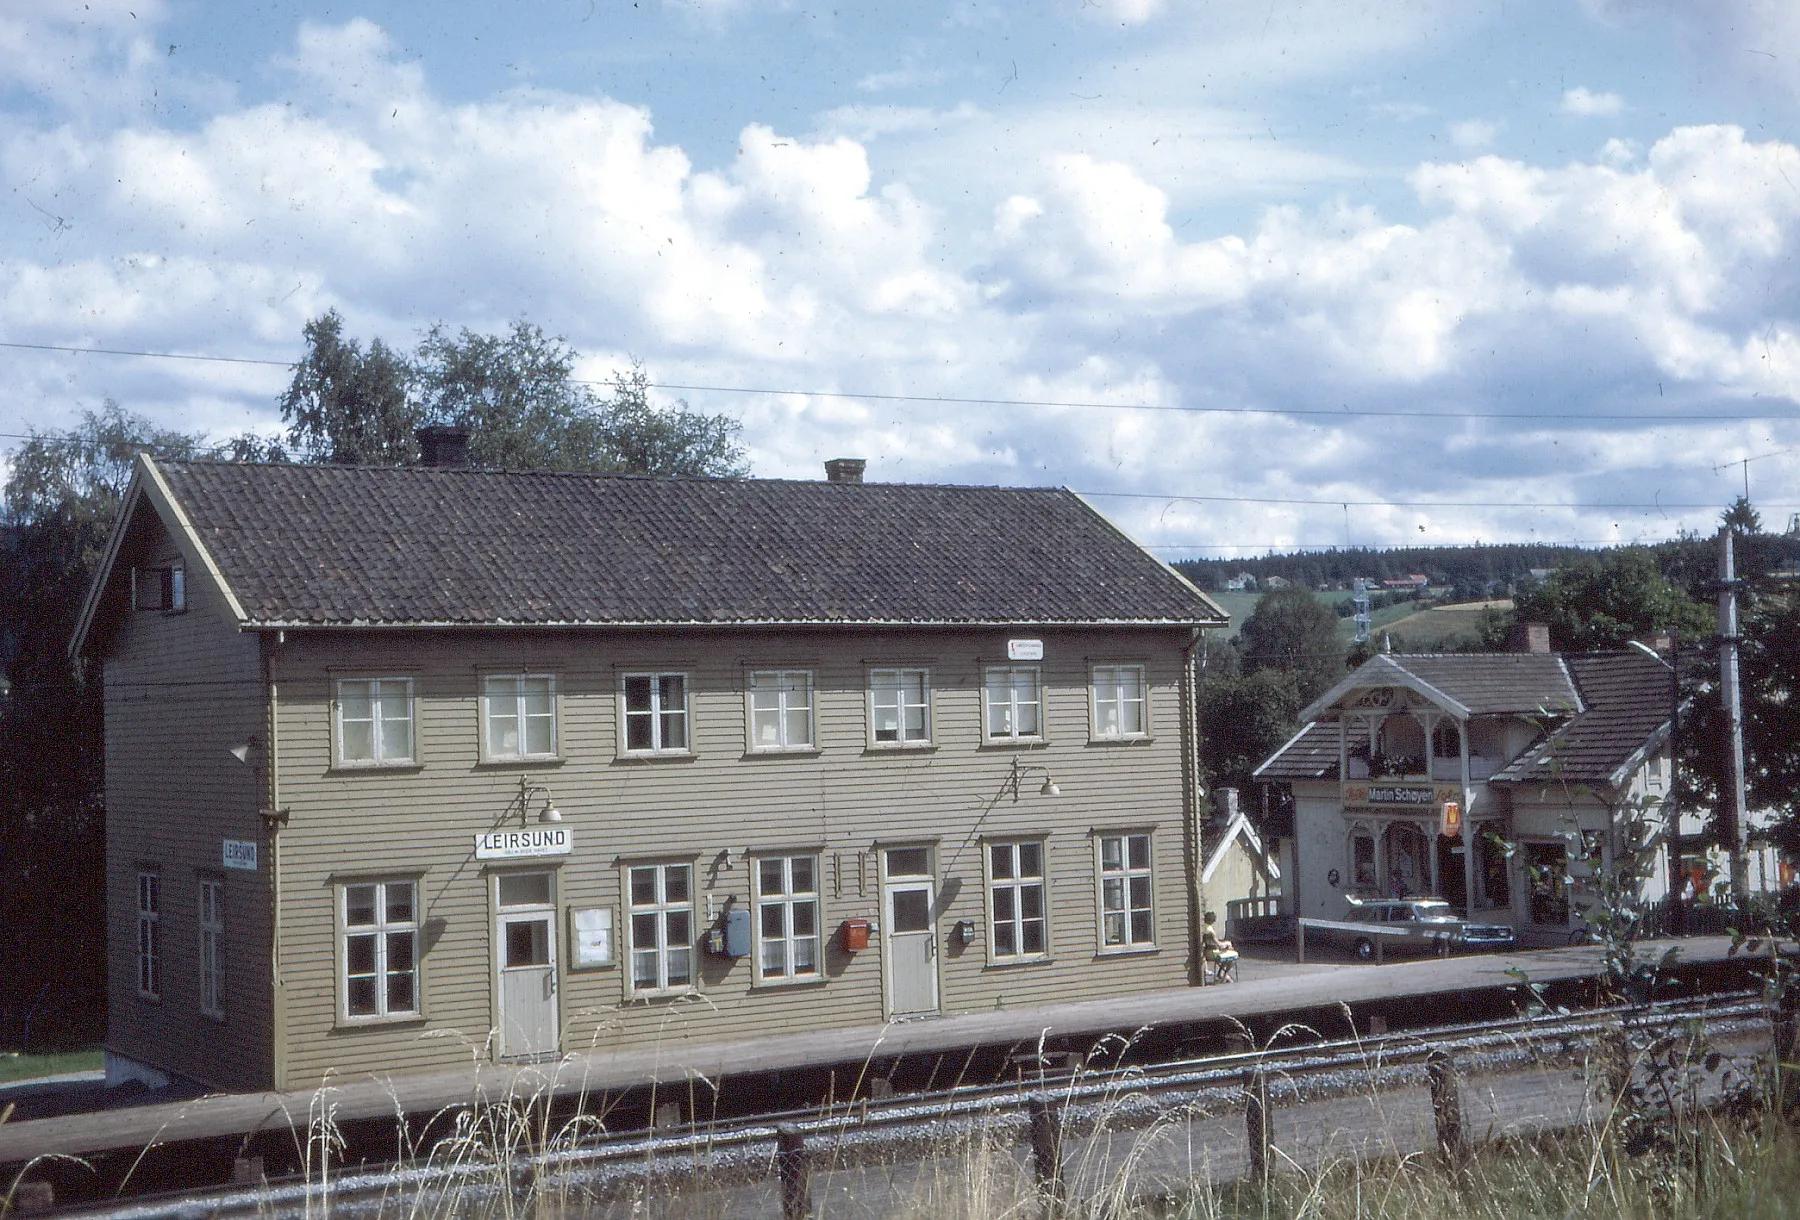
(444, 446)
(844, 470)
(1529, 637)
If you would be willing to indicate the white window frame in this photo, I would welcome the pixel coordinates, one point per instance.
(783, 904)
(382, 931)
(1119, 700)
(783, 685)
(661, 945)
(1124, 874)
(381, 754)
(899, 677)
(492, 693)
(659, 716)
(149, 931)
(1014, 887)
(1013, 703)
(211, 923)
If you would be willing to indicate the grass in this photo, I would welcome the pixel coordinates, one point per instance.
(15, 1065)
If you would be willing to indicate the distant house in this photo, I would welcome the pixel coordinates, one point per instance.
(1241, 583)
(1415, 583)
(405, 766)
(1276, 582)
(1543, 755)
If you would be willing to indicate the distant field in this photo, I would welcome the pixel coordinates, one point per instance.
(1439, 626)
(29, 1067)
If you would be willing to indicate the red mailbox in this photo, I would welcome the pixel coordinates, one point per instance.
(856, 935)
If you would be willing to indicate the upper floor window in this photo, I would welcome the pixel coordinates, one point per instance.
(163, 588)
(212, 947)
(520, 712)
(900, 706)
(149, 928)
(781, 710)
(379, 954)
(1016, 908)
(1015, 703)
(374, 721)
(1119, 703)
(656, 713)
(787, 917)
(1127, 914)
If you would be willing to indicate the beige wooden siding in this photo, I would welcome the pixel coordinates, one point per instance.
(839, 800)
(181, 690)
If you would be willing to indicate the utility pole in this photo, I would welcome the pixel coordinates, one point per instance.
(1738, 825)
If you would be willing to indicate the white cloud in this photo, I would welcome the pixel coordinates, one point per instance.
(1474, 134)
(1122, 12)
(1586, 104)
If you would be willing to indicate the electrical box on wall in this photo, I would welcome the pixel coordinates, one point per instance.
(731, 936)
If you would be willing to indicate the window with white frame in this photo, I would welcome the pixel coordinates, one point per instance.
(149, 929)
(900, 706)
(1019, 927)
(380, 950)
(1127, 915)
(781, 710)
(787, 917)
(656, 713)
(520, 712)
(212, 947)
(1119, 709)
(374, 721)
(661, 927)
(1015, 703)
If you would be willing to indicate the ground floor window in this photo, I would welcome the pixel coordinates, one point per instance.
(1491, 863)
(1363, 880)
(787, 917)
(1018, 920)
(661, 927)
(212, 947)
(1407, 860)
(1127, 916)
(149, 930)
(380, 951)
(1547, 872)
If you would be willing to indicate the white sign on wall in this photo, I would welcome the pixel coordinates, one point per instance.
(593, 936)
(1024, 650)
(240, 853)
(523, 844)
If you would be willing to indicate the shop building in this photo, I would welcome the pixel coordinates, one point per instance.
(1502, 782)
(411, 768)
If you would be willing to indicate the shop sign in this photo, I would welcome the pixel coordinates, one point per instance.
(1414, 796)
(523, 844)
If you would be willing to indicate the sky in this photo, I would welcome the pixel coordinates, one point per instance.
(1251, 275)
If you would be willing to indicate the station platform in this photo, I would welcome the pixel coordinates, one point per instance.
(1268, 986)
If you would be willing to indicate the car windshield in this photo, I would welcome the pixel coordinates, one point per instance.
(1432, 911)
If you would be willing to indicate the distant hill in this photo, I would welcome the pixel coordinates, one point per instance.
(1471, 571)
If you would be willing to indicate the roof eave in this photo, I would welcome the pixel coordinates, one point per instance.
(1382, 670)
(273, 624)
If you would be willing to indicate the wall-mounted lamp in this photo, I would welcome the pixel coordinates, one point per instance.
(963, 933)
(1021, 770)
(527, 789)
(241, 751)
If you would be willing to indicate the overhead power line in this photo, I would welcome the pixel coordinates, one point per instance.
(1343, 412)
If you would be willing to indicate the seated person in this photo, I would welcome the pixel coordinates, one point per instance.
(1216, 949)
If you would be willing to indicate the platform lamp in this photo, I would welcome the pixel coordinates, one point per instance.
(527, 789)
(1021, 770)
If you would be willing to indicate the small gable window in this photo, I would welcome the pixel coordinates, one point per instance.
(159, 588)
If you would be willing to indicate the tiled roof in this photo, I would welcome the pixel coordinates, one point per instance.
(1629, 700)
(325, 545)
(1624, 699)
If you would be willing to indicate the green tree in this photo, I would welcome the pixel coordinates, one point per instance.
(1294, 632)
(1601, 601)
(61, 497)
(1245, 718)
(516, 393)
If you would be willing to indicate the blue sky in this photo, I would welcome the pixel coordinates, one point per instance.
(1290, 258)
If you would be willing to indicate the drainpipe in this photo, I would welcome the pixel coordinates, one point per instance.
(1192, 663)
(274, 818)
(1468, 824)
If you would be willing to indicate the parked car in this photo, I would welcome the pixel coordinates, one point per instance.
(1420, 923)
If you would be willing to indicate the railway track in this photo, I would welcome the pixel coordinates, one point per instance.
(1171, 1123)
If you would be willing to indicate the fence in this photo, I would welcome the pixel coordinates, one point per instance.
(1090, 1135)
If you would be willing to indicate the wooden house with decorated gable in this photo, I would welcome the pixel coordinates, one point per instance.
(1499, 781)
(404, 765)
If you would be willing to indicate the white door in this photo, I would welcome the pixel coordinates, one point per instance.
(911, 932)
(526, 945)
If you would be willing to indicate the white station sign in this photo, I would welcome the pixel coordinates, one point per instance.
(239, 853)
(1024, 650)
(523, 844)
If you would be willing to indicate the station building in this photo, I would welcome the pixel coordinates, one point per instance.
(412, 768)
